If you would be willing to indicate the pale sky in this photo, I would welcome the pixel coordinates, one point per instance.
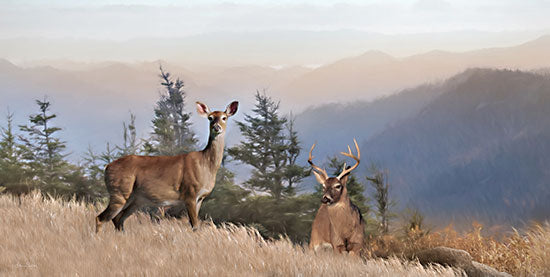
(119, 20)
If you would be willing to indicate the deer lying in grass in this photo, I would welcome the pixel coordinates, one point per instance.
(338, 223)
(134, 181)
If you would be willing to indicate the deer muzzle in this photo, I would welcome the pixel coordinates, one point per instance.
(217, 128)
(327, 199)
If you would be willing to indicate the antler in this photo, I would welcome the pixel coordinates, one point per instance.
(318, 169)
(349, 154)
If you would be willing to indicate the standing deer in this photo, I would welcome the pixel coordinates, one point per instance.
(338, 223)
(134, 181)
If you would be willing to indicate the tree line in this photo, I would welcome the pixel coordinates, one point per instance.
(33, 156)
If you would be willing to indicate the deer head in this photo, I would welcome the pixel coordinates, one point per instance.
(334, 187)
(218, 119)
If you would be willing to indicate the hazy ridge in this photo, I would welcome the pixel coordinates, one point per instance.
(98, 96)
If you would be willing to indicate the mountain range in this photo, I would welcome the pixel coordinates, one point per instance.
(93, 99)
(375, 74)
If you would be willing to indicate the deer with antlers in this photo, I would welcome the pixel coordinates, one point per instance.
(338, 223)
(134, 181)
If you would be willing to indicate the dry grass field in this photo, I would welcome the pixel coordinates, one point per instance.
(54, 238)
(48, 237)
(521, 253)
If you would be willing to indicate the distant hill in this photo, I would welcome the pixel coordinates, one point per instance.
(332, 126)
(376, 74)
(238, 48)
(481, 148)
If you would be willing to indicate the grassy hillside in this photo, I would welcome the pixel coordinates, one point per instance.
(51, 238)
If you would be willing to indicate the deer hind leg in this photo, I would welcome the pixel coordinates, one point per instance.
(119, 190)
(118, 220)
(156, 214)
(124, 214)
(116, 204)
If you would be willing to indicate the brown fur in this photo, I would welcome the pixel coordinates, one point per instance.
(338, 222)
(134, 181)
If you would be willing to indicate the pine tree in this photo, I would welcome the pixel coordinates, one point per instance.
(172, 132)
(93, 167)
(81, 186)
(268, 149)
(380, 184)
(44, 150)
(130, 144)
(12, 170)
(294, 173)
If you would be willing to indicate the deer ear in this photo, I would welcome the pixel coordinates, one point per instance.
(320, 179)
(232, 108)
(202, 109)
(344, 180)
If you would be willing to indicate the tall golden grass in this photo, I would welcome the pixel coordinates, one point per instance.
(49, 237)
(520, 253)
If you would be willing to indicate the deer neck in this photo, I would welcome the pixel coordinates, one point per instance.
(213, 152)
(341, 205)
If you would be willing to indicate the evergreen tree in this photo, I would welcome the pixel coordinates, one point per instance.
(94, 164)
(293, 173)
(130, 144)
(268, 149)
(93, 167)
(83, 187)
(172, 132)
(381, 186)
(44, 151)
(12, 170)
(109, 155)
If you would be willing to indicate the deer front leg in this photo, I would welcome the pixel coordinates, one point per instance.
(340, 248)
(356, 242)
(338, 244)
(203, 193)
(190, 204)
(199, 203)
(354, 248)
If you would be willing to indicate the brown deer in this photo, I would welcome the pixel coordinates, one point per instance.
(134, 181)
(338, 223)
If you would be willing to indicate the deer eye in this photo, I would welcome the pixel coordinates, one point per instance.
(338, 186)
(224, 118)
(210, 117)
